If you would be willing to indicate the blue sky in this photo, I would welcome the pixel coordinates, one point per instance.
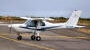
(44, 8)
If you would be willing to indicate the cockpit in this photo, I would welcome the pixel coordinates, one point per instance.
(34, 23)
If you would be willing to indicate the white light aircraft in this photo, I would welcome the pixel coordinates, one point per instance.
(36, 26)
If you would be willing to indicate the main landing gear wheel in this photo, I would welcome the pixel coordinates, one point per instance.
(19, 37)
(33, 37)
(38, 38)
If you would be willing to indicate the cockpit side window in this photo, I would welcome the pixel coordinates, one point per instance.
(33, 23)
(42, 24)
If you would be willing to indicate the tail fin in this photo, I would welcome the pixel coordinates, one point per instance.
(73, 20)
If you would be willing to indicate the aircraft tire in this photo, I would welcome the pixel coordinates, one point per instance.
(38, 38)
(19, 38)
(33, 37)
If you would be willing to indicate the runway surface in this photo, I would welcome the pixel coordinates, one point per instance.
(62, 39)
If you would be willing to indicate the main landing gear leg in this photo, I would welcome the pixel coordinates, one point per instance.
(19, 37)
(38, 38)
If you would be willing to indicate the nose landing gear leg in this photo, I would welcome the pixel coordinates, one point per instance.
(19, 37)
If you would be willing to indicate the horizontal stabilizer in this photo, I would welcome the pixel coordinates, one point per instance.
(79, 26)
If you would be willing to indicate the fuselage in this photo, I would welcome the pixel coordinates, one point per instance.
(24, 28)
(17, 28)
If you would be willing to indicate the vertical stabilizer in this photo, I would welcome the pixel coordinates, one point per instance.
(73, 20)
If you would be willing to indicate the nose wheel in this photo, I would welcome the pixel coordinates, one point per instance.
(19, 37)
